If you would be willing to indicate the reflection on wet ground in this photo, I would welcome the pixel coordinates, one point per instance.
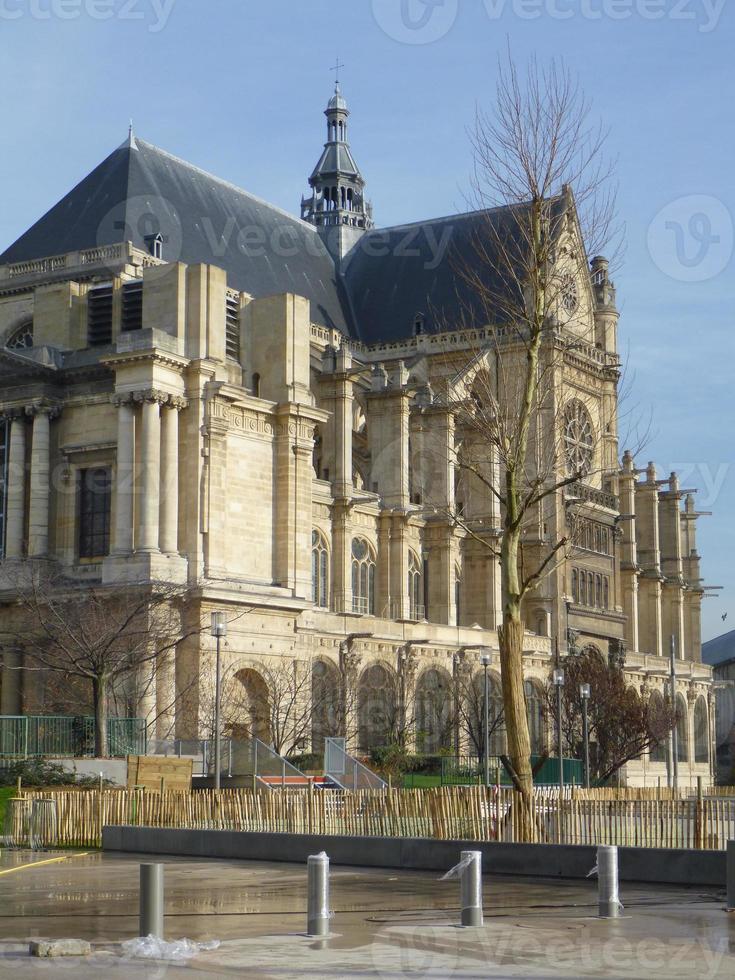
(386, 923)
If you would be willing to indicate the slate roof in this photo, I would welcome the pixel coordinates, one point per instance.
(393, 274)
(139, 190)
(390, 276)
(336, 158)
(719, 650)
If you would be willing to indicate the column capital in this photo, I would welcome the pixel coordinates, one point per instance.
(151, 395)
(12, 414)
(50, 409)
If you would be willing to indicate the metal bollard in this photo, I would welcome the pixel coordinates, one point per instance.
(731, 876)
(317, 916)
(151, 900)
(607, 880)
(470, 888)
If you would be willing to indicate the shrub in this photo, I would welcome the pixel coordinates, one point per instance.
(40, 773)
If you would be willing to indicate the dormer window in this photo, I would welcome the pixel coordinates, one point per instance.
(155, 245)
(22, 338)
(418, 324)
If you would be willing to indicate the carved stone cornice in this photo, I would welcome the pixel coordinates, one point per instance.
(164, 398)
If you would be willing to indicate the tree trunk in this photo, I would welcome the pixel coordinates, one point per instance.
(511, 635)
(99, 692)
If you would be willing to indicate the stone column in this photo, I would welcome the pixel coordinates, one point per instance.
(122, 543)
(150, 472)
(40, 490)
(169, 504)
(15, 528)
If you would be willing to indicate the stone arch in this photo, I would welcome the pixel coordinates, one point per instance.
(656, 708)
(495, 712)
(701, 730)
(377, 706)
(682, 728)
(433, 710)
(19, 336)
(326, 720)
(252, 706)
(535, 715)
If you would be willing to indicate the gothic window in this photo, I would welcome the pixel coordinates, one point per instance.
(433, 711)
(377, 705)
(415, 587)
(569, 294)
(701, 731)
(598, 591)
(94, 512)
(575, 585)
(319, 570)
(22, 338)
(535, 714)
(325, 703)
(656, 709)
(579, 438)
(363, 577)
(458, 594)
(606, 593)
(4, 451)
(682, 729)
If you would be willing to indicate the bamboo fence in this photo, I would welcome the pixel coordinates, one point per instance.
(449, 813)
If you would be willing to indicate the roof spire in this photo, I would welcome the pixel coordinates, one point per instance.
(336, 70)
(131, 137)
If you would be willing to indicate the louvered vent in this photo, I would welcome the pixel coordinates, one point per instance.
(132, 306)
(99, 316)
(232, 327)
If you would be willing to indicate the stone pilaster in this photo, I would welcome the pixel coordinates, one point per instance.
(169, 495)
(15, 526)
(122, 541)
(40, 492)
(150, 471)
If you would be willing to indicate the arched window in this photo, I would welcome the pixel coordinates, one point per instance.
(433, 711)
(682, 729)
(319, 570)
(606, 593)
(657, 752)
(598, 591)
(326, 715)
(415, 587)
(363, 577)
(458, 594)
(582, 588)
(535, 714)
(377, 707)
(249, 705)
(255, 385)
(495, 715)
(701, 731)
(22, 338)
(575, 585)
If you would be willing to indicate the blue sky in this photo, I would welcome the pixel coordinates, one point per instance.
(238, 88)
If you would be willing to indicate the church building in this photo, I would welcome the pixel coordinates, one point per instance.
(197, 387)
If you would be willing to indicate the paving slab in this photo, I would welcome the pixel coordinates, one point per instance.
(386, 924)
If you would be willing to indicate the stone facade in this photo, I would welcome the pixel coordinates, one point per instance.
(300, 480)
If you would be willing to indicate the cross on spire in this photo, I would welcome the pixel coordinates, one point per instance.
(336, 69)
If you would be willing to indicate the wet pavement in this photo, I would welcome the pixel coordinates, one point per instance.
(386, 924)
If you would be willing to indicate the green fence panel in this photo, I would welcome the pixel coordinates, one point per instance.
(65, 736)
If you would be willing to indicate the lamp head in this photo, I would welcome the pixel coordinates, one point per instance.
(559, 677)
(584, 691)
(219, 624)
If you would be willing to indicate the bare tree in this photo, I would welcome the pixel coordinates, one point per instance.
(104, 637)
(543, 201)
(622, 723)
(470, 712)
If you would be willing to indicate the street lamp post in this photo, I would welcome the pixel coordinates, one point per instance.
(485, 661)
(559, 684)
(218, 630)
(675, 729)
(584, 693)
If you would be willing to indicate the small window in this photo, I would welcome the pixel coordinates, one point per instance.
(154, 244)
(255, 386)
(99, 316)
(232, 328)
(94, 512)
(319, 570)
(132, 306)
(418, 324)
(22, 339)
